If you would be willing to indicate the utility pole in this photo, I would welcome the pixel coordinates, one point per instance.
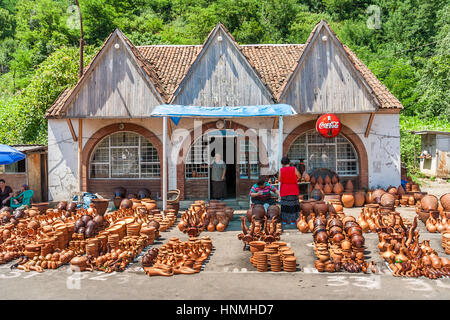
(80, 72)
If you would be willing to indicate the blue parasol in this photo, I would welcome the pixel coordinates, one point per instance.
(9, 155)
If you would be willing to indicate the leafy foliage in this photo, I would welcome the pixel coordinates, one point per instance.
(408, 49)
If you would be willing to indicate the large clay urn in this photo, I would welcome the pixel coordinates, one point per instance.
(429, 203)
(360, 198)
(327, 179)
(348, 199)
(307, 207)
(338, 188)
(320, 180)
(126, 203)
(320, 207)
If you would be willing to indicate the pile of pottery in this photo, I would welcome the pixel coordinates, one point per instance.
(309, 209)
(339, 244)
(178, 257)
(275, 255)
(195, 219)
(219, 216)
(259, 230)
(438, 210)
(406, 256)
(40, 262)
(90, 223)
(372, 217)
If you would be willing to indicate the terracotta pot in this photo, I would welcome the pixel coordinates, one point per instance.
(360, 198)
(429, 202)
(101, 205)
(327, 179)
(259, 212)
(348, 199)
(369, 197)
(126, 203)
(376, 195)
(320, 207)
(320, 180)
(307, 207)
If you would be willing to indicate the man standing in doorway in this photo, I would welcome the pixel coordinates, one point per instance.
(218, 170)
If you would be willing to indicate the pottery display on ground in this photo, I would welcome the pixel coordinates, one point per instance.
(347, 199)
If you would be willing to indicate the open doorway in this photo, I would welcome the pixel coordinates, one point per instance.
(226, 147)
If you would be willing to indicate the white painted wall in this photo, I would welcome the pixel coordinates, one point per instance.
(382, 146)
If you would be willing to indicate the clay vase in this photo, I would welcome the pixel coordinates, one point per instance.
(429, 203)
(445, 201)
(327, 179)
(360, 198)
(320, 207)
(400, 190)
(328, 188)
(302, 225)
(369, 198)
(338, 188)
(313, 180)
(348, 199)
(349, 186)
(307, 207)
(126, 203)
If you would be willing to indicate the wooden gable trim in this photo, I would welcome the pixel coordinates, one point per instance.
(267, 92)
(338, 44)
(116, 34)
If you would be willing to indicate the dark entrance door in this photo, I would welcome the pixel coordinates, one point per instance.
(226, 147)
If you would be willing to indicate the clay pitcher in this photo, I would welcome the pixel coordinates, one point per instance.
(302, 225)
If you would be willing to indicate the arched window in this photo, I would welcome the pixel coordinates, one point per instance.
(124, 155)
(337, 154)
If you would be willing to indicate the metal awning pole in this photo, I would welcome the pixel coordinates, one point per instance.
(164, 195)
(280, 141)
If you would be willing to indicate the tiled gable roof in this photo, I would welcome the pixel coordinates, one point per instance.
(167, 66)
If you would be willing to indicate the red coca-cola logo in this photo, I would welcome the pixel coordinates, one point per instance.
(328, 125)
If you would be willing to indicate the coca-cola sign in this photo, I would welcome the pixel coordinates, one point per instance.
(328, 125)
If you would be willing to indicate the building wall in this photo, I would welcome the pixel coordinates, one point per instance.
(443, 163)
(382, 146)
(438, 145)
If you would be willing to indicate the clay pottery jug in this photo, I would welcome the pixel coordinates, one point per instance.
(429, 202)
(311, 222)
(338, 188)
(360, 198)
(431, 225)
(349, 186)
(320, 180)
(445, 201)
(306, 177)
(376, 195)
(348, 199)
(387, 200)
(302, 225)
(317, 194)
(220, 226)
(313, 180)
(328, 188)
(369, 198)
(327, 179)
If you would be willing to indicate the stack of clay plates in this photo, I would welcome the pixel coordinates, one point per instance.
(290, 264)
(113, 241)
(133, 229)
(261, 261)
(275, 262)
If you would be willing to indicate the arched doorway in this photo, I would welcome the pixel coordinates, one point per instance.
(244, 153)
(124, 155)
(344, 154)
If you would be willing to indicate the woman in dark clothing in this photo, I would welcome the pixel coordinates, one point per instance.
(290, 206)
(5, 194)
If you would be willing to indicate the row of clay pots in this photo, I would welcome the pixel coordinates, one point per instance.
(259, 212)
(430, 205)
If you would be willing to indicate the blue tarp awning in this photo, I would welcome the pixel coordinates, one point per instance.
(180, 111)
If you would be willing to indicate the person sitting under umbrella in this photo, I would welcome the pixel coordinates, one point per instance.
(19, 194)
(5, 193)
